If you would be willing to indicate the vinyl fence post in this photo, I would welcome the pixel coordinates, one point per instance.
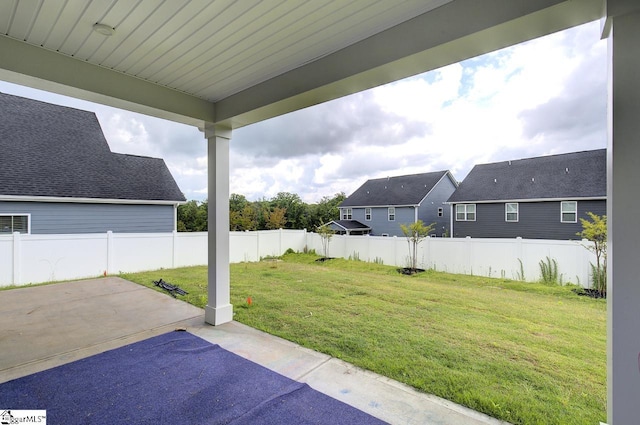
(519, 252)
(17, 253)
(468, 247)
(174, 254)
(109, 268)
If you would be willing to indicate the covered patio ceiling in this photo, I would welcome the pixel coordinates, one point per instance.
(224, 64)
(239, 62)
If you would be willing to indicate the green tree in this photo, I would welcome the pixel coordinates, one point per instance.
(326, 210)
(296, 210)
(246, 219)
(237, 202)
(192, 217)
(595, 230)
(415, 233)
(276, 219)
(326, 233)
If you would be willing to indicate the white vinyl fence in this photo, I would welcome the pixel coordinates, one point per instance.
(28, 259)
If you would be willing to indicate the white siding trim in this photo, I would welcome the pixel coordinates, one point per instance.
(11, 198)
(498, 201)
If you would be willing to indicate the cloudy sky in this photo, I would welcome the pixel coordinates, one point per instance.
(542, 97)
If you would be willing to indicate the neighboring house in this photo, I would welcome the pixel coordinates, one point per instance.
(534, 198)
(379, 206)
(58, 175)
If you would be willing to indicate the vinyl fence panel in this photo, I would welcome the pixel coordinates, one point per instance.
(41, 258)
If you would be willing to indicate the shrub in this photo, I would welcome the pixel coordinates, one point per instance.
(549, 271)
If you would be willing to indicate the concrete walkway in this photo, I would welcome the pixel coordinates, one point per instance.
(46, 326)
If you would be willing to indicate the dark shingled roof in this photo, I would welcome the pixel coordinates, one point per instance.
(566, 176)
(400, 190)
(351, 224)
(56, 151)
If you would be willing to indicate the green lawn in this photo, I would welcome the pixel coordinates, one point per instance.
(522, 352)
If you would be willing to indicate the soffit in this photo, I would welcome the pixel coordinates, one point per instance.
(208, 49)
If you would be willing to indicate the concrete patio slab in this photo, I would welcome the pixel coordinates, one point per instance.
(46, 326)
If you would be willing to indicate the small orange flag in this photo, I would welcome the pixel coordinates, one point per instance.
(249, 301)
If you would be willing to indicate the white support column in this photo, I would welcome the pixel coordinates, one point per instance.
(219, 309)
(623, 180)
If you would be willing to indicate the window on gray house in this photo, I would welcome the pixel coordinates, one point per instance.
(346, 214)
(511, 211)
(465, 212)
(367, 214)
(569, 211)
(392, 213)
(14, 223)
(440, 211)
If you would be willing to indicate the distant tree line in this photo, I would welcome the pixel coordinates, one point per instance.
(285, 210)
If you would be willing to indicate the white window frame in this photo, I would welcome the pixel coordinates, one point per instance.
(28, 232)
(367, 214)
(507, 212)
(347, 214)
(563, 212)
(465, 212)
(391, 213)
(440, 212)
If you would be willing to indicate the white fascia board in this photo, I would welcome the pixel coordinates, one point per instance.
(495, 201)
(11, 198)
(385, 206)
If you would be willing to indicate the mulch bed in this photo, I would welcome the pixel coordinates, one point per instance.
(587, 292)
(410, 271)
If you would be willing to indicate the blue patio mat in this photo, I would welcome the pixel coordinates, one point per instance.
(175, 378)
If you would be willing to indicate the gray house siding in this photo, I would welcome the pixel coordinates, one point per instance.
(428, 210)
(71, 218)
(380, 223)
(537, 220)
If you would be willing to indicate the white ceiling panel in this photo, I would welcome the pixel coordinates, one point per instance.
(210, 49)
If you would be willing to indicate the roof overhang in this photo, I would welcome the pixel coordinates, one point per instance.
(357, 229)
(193, 89)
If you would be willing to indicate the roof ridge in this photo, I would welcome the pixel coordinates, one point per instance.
(540, 157)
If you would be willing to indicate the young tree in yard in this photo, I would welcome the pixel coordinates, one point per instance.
(326, 234)
(415, 233)
(595, 230)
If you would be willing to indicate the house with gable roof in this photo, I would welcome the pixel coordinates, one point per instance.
(534, 198)
(59, 176)
(379, 206)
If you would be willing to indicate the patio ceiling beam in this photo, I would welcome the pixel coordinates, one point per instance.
(459, 30)
(36, 67)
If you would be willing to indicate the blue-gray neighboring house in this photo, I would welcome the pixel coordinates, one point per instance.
(534, 198)
(379, 206)
(58, 175)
